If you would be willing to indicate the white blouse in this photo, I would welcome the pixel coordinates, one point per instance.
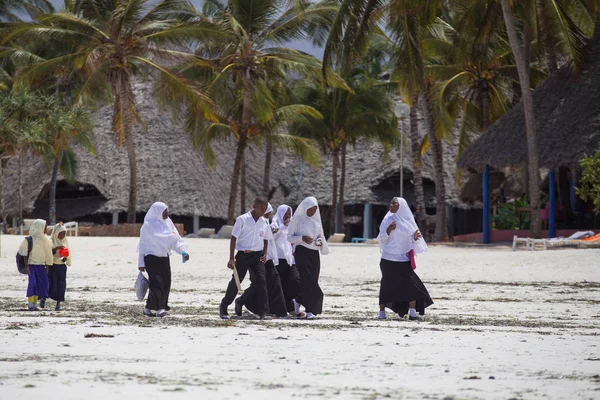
(394, 245)
(305, 226)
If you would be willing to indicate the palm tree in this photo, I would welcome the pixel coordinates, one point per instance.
(365, 112)
(64, 125)
(23, 109)
(275, 112)
(108, 43)
(527, 99)
(407, 21)
(248, 58)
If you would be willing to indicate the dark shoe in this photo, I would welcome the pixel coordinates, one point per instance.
(149, 314)
(42, 303)
(413, 318)
(58, 308)
(265, 317)
(161, 314)
(167, 308)
(223, 311)
(32, 308)
(238, 307)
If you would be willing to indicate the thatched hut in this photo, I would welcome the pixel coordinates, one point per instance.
(567, 117)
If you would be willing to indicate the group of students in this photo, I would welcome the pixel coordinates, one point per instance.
(47, 261)
(282, 258)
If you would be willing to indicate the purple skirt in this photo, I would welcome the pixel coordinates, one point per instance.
(38, 282)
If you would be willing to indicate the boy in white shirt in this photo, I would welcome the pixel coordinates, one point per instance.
(250, 236)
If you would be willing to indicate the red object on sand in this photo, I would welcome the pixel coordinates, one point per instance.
(64, 252)
(411, 255)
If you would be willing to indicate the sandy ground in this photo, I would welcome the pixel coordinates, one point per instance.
(505, 325)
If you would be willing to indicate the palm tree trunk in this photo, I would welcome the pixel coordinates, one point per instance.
(243, 184)
(20, 183)
(527, 99)
(340, 207)
(485, 111)
(551, 59)
(2, 213)
(127, 102)
(441, 224)
(52, 199)
(415, 142)
(235, 178)
(333, 209)
(131, 206)
(267, 174)
(241, 147)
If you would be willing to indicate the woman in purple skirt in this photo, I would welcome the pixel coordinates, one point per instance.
(37, 261)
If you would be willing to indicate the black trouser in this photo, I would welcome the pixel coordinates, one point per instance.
(159, 274)
(242, 267)
(57, 275)
(257, 292)
(290, 282)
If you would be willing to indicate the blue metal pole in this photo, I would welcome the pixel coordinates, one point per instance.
(367, 221)
(486, 204)
(552, 206)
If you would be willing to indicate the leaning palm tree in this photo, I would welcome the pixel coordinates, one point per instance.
(108, 43)
(248, 59)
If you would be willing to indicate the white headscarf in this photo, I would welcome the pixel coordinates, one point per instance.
(300, 212)
(278, 218)
(283, 230)
(157, 232)
(37, 229)
(405, 223)
(56, 242)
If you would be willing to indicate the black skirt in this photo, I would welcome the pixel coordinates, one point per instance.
(308, 263)
(401, 285)
(290, 282)
(57, 275)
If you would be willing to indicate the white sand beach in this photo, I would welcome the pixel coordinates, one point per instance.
(505, 325)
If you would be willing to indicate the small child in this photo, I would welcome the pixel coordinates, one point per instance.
(57, 273)
(39, 259)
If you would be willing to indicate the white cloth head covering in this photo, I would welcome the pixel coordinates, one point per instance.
(283, 230)
(37, 229)
(56, 242)
(157, 232)
(307, 203)
(405, 223)
(278, 218)
(269, 208)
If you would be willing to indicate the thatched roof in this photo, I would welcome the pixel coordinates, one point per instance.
(170, 170)
(567, 116)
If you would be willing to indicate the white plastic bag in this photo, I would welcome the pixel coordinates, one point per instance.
(141, 286)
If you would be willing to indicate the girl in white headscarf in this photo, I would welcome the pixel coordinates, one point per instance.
(399, 240)
(288, 273)
(57, 273)
(158, 238)
(305, 232)
(38, 261)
